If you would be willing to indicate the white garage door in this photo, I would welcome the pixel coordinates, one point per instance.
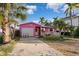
(27, 31)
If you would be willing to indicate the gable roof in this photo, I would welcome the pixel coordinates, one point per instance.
(31, 23)
(36, 24)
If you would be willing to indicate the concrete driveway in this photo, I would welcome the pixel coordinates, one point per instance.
(33, 47)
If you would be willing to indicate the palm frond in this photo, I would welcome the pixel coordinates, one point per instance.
(66, 11)
(13, 21)
(23, 16)
(22, 8)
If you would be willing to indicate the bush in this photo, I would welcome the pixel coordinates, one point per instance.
(54, 38)
(1, 39)
(17, 35)
(76, 32)
(65, 33)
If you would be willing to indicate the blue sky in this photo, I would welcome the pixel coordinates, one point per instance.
(47, 10)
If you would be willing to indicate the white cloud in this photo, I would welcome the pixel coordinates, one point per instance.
(31, 9)
(54, 6)
(36, 21)
(52, 20)
(65, 7)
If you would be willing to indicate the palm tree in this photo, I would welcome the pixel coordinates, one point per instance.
(68, 11)
(59, 24)
(45, 22)
(55, 23)
(14, 10)
(42, 20)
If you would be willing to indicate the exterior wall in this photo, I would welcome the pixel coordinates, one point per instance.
(29, 25)
(48, 31)
(74, 21)
(35, 26)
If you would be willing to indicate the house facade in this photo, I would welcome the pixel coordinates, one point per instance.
(75, 20)
(34, 29)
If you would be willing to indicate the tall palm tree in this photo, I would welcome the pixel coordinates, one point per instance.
(68, 11)
(45, 22)
(12, 9)
(42, 20)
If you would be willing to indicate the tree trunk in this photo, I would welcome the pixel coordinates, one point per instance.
(71, 21)
(6, 28)
(14, 31)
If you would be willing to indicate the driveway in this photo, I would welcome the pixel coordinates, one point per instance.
(33, 47)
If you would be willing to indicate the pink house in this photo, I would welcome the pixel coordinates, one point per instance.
(33, 29)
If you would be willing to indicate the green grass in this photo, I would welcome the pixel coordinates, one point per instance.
(65, 39)
(69, 39)
(7, 48)
(52, 39)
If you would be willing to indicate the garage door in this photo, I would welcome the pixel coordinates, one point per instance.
(27, 31)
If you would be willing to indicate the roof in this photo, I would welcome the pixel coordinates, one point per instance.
(31, 23)
(36, 24)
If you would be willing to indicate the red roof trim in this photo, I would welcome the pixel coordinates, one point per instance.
(31, 23)
(36, 24)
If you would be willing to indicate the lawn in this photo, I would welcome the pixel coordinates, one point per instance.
(5, 49)
(69, 47)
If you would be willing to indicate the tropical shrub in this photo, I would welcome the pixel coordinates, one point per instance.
(54, 38)
(65, 33)
(17, 35)
(1, 39)
(76, 32)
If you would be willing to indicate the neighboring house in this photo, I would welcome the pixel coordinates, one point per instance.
(34, 29)
(75, 20)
